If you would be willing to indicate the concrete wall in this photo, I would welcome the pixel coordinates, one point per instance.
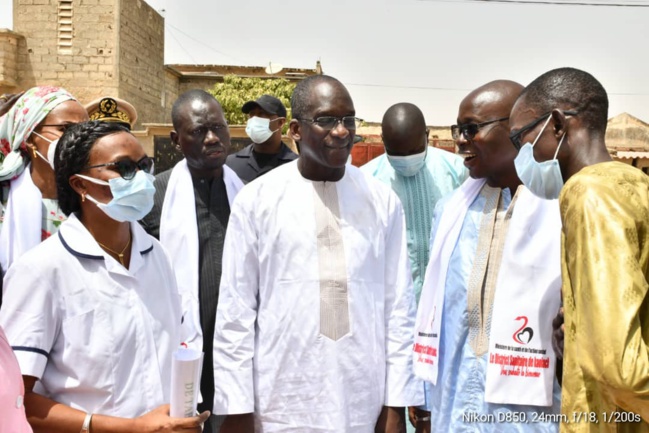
(117, 49)
(171, 94)
(8, 60)
(111, 48)
(88, 68)
(141, 60)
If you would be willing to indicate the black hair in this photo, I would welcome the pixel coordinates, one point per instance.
(188, 96)
(73, 154)
(570, 89)
(300, 98)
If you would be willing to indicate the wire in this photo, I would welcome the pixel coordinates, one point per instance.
(452, 89)
(641, 3)
(182, 47)
(203, 43)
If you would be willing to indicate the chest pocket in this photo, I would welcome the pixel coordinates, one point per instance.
(86, 341)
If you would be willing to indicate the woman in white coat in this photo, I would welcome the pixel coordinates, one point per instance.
(97, 316)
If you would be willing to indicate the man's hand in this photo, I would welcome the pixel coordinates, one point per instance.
(558, 329)
(391, 420)
(420, 419)
(243, 423)
(159, 421)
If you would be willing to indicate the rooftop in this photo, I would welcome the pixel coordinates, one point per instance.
(218, 71)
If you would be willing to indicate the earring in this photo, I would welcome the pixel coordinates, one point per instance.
(33, 152)
(83, 196)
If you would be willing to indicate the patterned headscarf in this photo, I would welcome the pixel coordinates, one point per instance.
(17, 125)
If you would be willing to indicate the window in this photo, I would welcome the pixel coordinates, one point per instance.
(65, 27)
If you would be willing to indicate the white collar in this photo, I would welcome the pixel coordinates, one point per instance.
(76, 238)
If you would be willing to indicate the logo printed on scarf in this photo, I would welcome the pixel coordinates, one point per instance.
(517, 363)
(524, 334)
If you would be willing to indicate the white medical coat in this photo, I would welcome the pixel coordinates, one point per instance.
(98, 336)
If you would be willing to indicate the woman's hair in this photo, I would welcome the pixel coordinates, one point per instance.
(72, 156)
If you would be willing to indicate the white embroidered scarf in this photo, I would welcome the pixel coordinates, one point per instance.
(23, 219)
(431, 303)
(179, 235)
(521, 362)
(20, 121)
(528, 287)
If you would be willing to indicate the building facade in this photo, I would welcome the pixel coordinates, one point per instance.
(97, 48)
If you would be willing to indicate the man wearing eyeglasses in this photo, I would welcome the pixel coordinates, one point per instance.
(559, 122)
(190, 216)
(314, 329)
(482, 336)
(420, 175)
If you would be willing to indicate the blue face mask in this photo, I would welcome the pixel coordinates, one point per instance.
(408, 165)
(132, 199)
(542, 178)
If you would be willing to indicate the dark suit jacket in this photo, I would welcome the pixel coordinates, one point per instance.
(245, 165)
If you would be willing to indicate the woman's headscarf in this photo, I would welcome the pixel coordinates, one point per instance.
(17, 125)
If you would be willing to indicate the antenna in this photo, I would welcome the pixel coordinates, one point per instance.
(273, 68)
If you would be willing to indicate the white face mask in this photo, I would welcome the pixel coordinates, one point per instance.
(408, 165)
(132, 199)
(542, 178)
(50, 150)
(258, 129)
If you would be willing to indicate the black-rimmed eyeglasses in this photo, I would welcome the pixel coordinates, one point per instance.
(127, 167)
(470, 130)
(62, 127)
(515, 136)
(329, 122)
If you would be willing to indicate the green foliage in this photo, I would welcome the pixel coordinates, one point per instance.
(235, 91)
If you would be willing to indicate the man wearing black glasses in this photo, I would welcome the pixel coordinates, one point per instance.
(314, 329)
(190, 217)
(561, 118)
(482, 337)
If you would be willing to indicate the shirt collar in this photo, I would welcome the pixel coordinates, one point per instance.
(76, 238)
(346, 176)
(246, 152)
(285, 153)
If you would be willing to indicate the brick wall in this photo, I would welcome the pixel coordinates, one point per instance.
(171, 94)
(141, 60)
(8, 60)
(87, 69)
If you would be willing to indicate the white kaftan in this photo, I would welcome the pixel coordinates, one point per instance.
(282, 292)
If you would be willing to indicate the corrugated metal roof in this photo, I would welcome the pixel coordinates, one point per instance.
(631, 155)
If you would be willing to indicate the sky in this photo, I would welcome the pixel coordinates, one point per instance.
(428, 52)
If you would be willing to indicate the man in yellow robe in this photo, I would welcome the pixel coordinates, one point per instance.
(559, 123)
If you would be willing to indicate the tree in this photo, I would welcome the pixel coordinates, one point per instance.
(235, 91)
